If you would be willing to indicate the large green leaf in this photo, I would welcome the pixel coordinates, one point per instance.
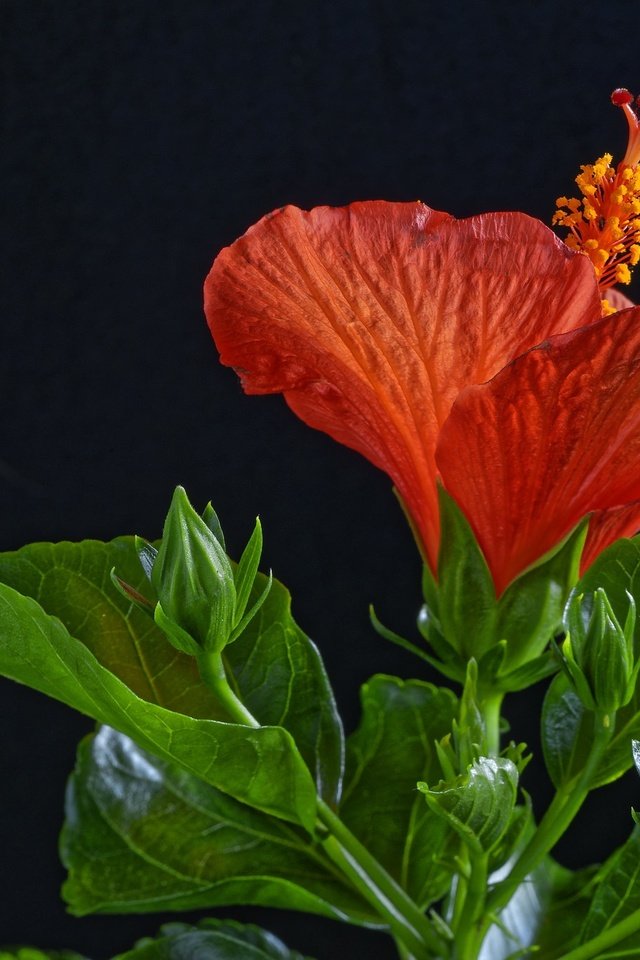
(547, 911)
(72, 582)
(567, 732)
(37, 650)
(616, 895)
(282, 680)
(143, 835)
(392, 749)
(211, 940)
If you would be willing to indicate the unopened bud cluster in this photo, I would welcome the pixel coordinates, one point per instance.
(598, 653)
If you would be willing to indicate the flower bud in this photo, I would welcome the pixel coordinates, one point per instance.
(598, 653)
(194, 582)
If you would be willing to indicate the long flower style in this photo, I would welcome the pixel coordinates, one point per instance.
(467, 352)
(605, 223)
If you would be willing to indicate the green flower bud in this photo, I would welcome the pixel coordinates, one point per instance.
(194, 582)
(598, 653)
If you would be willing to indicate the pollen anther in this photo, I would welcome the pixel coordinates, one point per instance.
(604, 223)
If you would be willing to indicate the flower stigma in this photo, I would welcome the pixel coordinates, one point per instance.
(604, 223)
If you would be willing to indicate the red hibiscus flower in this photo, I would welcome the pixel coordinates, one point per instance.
(408, 335)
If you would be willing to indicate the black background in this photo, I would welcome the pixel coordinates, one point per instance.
(139, 138)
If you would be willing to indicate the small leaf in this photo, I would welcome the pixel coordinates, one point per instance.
(467, 599)
(245, 573)
(479, 804)
(566, 732)
(142, 835)
(530, 610)
(211, 519)
(211, 940)
(253, 609)
(147, 554)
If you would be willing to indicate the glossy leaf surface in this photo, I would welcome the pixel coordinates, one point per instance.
(467, 605)
(72, 582)
(392, 749)
(142, 835)
(566, 725)
(37, 650)
(530, 610)
(213, 940)
(547, 911)
(616, 895)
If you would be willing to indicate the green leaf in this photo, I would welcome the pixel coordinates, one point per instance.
(142, 835)
(467, 606)
(480, 803)
(566, 732)
(546, 911)
(34, 953)
(616, 895)
(37, 650)
(530, 610)
(393, 748)
(281, 679)
(211, 940)
(71, 581)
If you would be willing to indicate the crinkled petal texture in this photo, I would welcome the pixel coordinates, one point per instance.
(371, 318)
(553, 437)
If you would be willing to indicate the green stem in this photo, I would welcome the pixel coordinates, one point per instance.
(468, 929)
(407, 922)
(491, 707)
(403, 953)
(559, 815)
(593, 949)
(461, 884)
(214, 675)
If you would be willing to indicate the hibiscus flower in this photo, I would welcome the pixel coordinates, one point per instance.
(471, 353)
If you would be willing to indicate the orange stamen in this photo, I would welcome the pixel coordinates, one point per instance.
(605, 223)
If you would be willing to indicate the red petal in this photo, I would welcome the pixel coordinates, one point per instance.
(371, 318)
(617, 299)
(553, 437)
(607, 526)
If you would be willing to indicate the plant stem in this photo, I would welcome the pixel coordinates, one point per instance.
(491, 707)
(407, 922)
(468, 929)
(593, 948)
(557, 818)
(214, 675)
(403, 953)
